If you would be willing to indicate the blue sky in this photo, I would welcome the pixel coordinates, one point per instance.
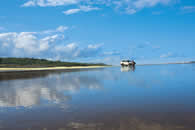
(148, 31)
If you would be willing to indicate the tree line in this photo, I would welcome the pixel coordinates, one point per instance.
(41, 62)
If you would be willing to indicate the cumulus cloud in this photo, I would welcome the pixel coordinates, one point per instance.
(80, 9)
(50, 45)
(128, 6)
(73, 50)
(91, 50)
(25, 43)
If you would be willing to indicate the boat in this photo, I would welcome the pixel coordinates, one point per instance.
(127, 63)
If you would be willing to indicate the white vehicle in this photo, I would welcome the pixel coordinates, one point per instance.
(127, 63)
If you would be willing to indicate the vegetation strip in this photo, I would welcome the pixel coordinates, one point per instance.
(31, 64)
(39, 63)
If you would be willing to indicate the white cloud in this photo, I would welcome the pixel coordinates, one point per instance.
(91, 50)
(71, 11)
(80, 9)
(149, 3)
(95, 46)
(130, 11)
(169, 54)
(44, 3)
(188, 9)
(46, 45)
(29, 3)
(60, 29)
(88, 8)
(112, 53)
(128, 6)
(25, 43)
(73, 51)
(68, 51)
(172, 55)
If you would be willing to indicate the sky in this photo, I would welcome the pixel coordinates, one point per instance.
(147, 31)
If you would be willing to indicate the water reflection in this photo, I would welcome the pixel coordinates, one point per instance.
(53, 88)
(127, 68)
(38, 74)
(132, 123)
(150, 98)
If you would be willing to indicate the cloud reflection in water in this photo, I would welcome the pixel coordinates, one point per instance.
(54, 89)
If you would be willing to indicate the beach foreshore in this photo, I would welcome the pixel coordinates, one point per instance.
(49, 68)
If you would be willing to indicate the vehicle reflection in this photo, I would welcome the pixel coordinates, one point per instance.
(128, 68)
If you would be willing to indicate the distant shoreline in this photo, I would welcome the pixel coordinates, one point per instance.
(12, 64)
(191, 62)
(49, 68)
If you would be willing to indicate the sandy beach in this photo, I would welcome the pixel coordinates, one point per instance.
(48, 68)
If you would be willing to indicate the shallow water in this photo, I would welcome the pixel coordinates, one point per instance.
(156, 97)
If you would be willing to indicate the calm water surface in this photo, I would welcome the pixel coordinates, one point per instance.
(159, 97)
